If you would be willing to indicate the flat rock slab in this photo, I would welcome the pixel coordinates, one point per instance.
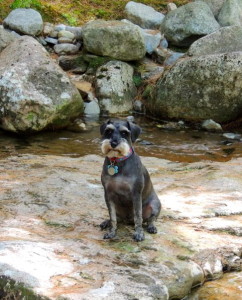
(51, 208)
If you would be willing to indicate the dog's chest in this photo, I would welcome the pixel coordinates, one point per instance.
(119, 185)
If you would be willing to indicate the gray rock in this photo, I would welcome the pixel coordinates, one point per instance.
(77, 31)
(65, 40)
(161, 54)
(66, 34)
(63, 49)
(210, 125)
(51, 41)
(152, 39)
(115, 88)
(6, 37)
(40, 192)
(172, 58)
(211, 263)
(185, 24)
(138, 106)
(48, 28)
(232, 136)
(150, 69)
(35, 93)
(25, 21)
(171, 6)
(116, 39)
(226, 39)
(41, 40)
(60, 27)
(193, 89)
(143, 15)
(164, 43)
(230, 13)
(53, 34)
(215, 5)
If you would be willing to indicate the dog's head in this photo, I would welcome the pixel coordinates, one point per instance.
(117, 137)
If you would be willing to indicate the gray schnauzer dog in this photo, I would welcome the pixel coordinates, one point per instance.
(129, 193)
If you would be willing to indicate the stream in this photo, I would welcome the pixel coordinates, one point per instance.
(184, 145)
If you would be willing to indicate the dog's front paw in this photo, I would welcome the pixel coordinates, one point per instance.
(139, 236)
(152, 229)
(105, 224)
(109, 235)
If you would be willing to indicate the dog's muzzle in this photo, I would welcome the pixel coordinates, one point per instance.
(115, 149)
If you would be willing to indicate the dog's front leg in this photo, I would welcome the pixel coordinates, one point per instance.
(113, 221)
(138, 220)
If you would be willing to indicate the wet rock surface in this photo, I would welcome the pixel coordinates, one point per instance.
(51, 208)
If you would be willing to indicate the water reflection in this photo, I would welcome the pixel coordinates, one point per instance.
(182, 145)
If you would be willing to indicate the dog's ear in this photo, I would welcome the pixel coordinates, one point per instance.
(103, 126)
(135, 131)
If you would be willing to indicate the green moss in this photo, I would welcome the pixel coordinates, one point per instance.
(10, 289)
(59, 225)
(148, 92)
(125, 247)
(95, 61)
(31, 116)
(68, 111)
(137, 80)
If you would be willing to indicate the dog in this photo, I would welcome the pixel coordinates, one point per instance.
(128, 190)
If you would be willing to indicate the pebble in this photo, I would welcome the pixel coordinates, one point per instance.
(64, 40)
(232, 136)
(51, 41)
(66, 49)
(211, 125)
(66, 34)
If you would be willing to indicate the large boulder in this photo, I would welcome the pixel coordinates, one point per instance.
(25, 21)
(115, 87)
(230, 13)
(35, 93)
(6, 37)
(187, 23)
(226, 39)
(215, 5)
(143, 15)
(116, 39)
(200, 88)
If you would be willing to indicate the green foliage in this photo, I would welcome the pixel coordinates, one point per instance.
(137, 80)
(25, 4)
(71, 20)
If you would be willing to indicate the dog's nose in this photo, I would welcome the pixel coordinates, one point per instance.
(114, 144)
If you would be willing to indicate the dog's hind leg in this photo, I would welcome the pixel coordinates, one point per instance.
(151, 227)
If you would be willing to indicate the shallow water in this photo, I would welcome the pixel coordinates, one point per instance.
(227, 288)
(186, 145)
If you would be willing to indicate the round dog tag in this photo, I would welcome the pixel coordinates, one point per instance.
(112, 170)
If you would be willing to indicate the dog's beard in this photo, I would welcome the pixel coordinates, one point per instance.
(121, 150)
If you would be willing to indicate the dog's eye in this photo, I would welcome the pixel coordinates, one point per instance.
(108, 132)
(124, 133)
